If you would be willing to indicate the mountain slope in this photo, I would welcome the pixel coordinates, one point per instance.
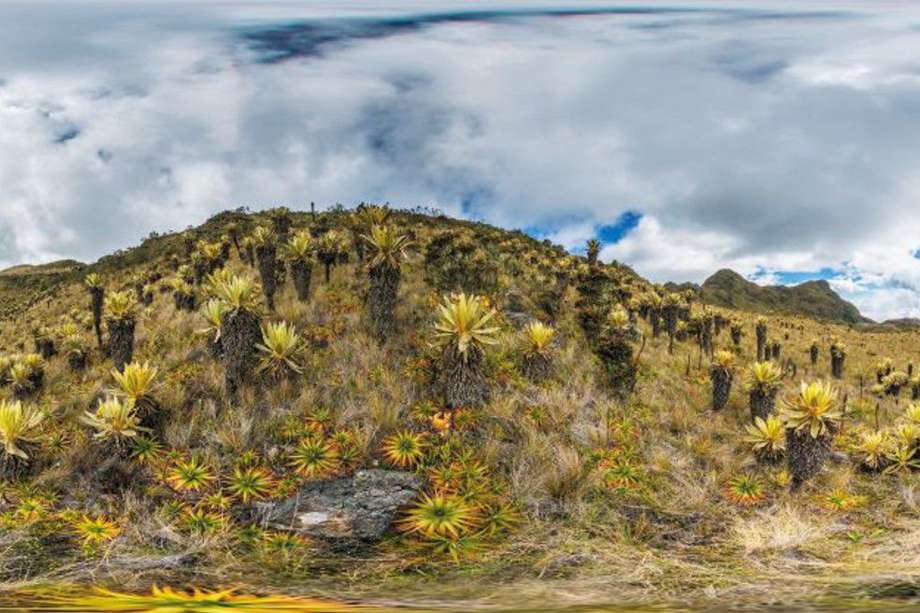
(560, 457)
(815, 299)
(22, 286)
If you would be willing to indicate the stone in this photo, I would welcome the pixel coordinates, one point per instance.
(361, 507)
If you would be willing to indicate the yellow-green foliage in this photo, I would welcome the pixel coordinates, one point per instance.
(120, 305)
(18, 426)
(281, 345)
(136, 383)
(388, 244)
(723, 359)
(538, 336)
(813, 409)
(300, 246)
(767, 437)
(645, 484)
(238, 292)
(464, 322)
(618, 317)
(113, 420)
(763, 376)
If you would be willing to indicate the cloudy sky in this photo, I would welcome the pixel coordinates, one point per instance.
(780, 139)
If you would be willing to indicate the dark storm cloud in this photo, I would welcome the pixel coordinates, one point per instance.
(316, 37)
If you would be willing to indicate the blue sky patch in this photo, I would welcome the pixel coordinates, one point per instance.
(794, 277)
(615, 232)
(67, 134)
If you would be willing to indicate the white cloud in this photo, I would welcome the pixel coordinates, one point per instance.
(741, 149)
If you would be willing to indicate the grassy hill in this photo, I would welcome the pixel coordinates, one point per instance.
(23, 286)
(598, 456)
(61, 266)
(813, 299)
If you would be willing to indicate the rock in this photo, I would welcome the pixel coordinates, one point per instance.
(518, 319)
(517, 309)
(361, 507)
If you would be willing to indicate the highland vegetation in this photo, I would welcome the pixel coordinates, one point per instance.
(451, 404)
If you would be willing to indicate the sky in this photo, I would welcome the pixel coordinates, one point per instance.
(779, 139)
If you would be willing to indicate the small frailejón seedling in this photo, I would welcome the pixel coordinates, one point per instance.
(404, 449)
(280, 347)
(315, 458)
(191, 475)
(115, 421)
(745, 491)
(872, 450)
(94, 532)
(767, 437)
(136, 385)
(19, 425)
(440, 515)
(250, 483)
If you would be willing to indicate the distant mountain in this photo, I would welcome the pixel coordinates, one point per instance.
(815, 299)
(905, 323)
(24, 285)
(682, 287)
(894, 325)
(61, 266)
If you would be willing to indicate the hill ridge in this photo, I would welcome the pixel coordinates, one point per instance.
(815, 298)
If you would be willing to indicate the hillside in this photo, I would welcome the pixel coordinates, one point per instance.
(307, 404)
(814, 299)
(904, 323)
(60, 266)
(23, 286)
